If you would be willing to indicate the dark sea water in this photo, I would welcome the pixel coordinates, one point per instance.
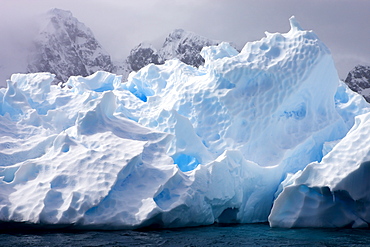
(215, 235)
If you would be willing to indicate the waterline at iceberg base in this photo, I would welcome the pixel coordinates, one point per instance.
(267, 134)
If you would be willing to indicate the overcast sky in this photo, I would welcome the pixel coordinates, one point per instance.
(119, 25)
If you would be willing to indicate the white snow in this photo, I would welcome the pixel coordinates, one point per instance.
(179, 146)
(334, 192)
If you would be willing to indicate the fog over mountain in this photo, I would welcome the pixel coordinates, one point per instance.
(121, 25)
(66, 47)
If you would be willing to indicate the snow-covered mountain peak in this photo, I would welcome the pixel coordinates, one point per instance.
(358, 79)
(144, 45)
(66, 25)
(66, 47)
(176, 34)
(62, 14)
(142, 55)
(56, 19)
(185, 46)
(181, 34)
(179, 44)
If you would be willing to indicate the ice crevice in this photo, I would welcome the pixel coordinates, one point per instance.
(266, 134)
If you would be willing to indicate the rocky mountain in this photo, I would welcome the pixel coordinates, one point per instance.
(179, 44)
(142, 55)
(67, 47)
(185, 46)
(358, 79)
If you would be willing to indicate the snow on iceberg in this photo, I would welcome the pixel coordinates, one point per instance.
(334, 192)
(176, 145)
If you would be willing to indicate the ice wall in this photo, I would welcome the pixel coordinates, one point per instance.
(334, 192)
(175, 145)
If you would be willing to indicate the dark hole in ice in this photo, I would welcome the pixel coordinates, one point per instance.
(228, 216)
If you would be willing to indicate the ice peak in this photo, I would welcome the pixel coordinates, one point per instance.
(294, 24)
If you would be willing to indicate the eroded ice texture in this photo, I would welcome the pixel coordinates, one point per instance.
(334, 192)
(175, 145)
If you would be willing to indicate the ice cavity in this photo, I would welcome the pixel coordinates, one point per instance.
(175, 145)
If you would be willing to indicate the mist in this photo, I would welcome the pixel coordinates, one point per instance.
(121, 25)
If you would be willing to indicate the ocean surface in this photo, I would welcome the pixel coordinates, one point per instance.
(215, 235)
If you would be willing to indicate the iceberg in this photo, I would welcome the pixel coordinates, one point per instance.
(269, 133)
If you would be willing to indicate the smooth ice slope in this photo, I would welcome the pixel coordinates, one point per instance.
(175, 145)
